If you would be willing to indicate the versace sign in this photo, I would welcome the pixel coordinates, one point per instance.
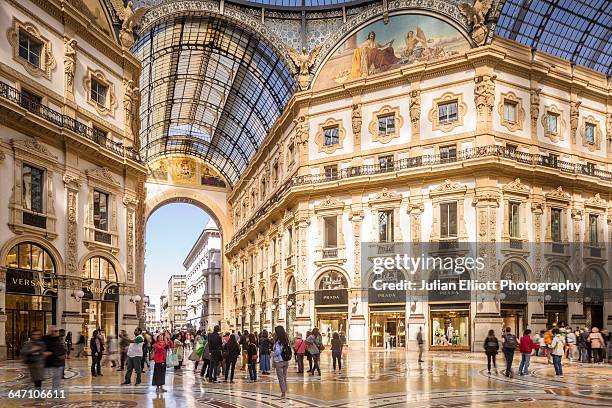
(28, 282)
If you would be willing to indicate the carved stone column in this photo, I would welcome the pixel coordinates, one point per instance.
(484, 98)
(130, 203)
(3, 350)
(356, 217)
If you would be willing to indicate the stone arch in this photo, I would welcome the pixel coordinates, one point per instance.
(605, 280)
(556, 264)
(449, 15)
(262, 295)
(57, 257)
(121, 275)
(288, 281)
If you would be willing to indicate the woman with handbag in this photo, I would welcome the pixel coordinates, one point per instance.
(160, 349)
(315, 347)
(196, 354)
(299, 346)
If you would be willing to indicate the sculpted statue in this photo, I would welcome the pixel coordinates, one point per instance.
(356, 120)
(476, 15)
(131, 95)
(484, 94)
(534, 99)
(574, 116)
(415, 107)
(129, 18)
(303, 62)
(69, 62)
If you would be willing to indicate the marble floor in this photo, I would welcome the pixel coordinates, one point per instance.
(367, 379)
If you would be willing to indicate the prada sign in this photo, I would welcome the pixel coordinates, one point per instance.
(386, 296)
(331, 297)
(28, 282)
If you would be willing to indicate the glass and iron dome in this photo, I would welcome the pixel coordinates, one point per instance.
(210, 90)
(576, 30)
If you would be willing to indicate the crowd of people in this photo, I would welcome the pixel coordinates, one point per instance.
(215, 355)
(554, 344)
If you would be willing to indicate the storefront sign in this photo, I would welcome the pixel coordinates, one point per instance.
(331, 297)
(28, 282)
(514, 296)
(386, 296)
(95, 291)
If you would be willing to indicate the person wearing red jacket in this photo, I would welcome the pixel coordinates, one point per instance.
(160, 349)
(526, 346)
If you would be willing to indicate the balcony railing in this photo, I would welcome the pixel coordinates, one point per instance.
(595, 252)
(9, 93)
(516, 244)
(34, 220)
(558, 248)
(474, 153)
(103, 237)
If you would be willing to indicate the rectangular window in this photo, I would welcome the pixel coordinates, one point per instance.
(593, 236)
(514, 220)
(331, 172)
(32, 180)
(555, 224)
(331, 231)
(100, 210)
(385, 162)
(386, 125)
(448, 112)
(448, 220)
(551, 122)
(510, 111)
(552, 159)
(385, 226)
(289, 241)
(98, 92)
(589, 133)
(448, 153)
(330, 136)
(29, 49)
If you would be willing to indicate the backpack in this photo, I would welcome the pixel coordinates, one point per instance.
(491, 343)
(510, 342)
(286, 353)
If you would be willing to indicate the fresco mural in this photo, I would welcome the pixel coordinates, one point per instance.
(379, 47)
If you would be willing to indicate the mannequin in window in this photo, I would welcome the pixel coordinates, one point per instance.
(450, 331)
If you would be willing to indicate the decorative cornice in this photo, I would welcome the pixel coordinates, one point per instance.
(449, 187)
(72, 180)
(516, 187)
(329, 203)
(130, 200)
(34, 146)
(596, 201)
(558, 195)
(385, 196)
(104, 175)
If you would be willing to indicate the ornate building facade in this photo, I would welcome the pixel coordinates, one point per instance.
(203, 269)
(70, 172)
(310, 133)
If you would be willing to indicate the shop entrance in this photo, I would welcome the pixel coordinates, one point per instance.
(24, 314)
(328, 323)
(556, 315)
(513, 316)
(449, 326)
(594, 315)
(387, 329)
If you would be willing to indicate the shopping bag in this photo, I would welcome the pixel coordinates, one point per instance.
(200, 349)
(194, 356)
(171, 359)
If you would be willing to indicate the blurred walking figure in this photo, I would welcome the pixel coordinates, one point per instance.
(68, 342)
(315, 346)
(491, 346)
(179, 351)
(421, 343)
(244, 343)
(33, 354)
(80, 345)
(113, 348)
(307, 353)
(124, 342)
(56, 357)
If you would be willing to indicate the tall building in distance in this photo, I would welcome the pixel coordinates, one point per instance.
(203, 267)
(163, 309)
(177, 302)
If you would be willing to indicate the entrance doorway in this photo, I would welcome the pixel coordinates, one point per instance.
(388, 329)
(328, 323)
(513, 316)
(24, 314)
(556, 315)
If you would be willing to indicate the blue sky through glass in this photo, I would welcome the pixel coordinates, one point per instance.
(171, 232)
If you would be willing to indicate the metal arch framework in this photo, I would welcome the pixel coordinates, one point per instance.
(576, 30)
(210, 89)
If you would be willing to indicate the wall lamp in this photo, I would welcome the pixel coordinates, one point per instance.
(78, 295)
(135, 299)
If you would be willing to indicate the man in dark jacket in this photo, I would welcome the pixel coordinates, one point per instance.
(57, 359)
(244, 343)
(215, 343)
(96, 346)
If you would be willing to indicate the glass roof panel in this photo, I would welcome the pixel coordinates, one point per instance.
(210, 89)
(576, 30)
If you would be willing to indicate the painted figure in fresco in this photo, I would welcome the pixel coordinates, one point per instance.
(415, 44)
(372, 57)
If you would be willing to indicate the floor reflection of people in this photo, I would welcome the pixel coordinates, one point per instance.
(372, 57)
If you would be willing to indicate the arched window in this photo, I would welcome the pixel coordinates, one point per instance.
(555, 274)
(594, 280)
(29, 256)
(332, 280)
(291, 287)
(513, 271)
(99, 268)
